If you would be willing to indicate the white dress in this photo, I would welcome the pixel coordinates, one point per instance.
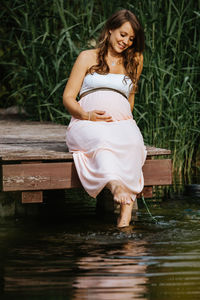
(106, 151)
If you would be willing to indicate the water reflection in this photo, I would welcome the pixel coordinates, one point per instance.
(95, 260)
(90, 266)
(118, 273)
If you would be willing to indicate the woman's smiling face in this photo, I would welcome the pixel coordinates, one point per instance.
(122, 37)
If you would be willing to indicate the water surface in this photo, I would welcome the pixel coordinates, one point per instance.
(89, 258)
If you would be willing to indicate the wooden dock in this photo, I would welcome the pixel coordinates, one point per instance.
(34, 158)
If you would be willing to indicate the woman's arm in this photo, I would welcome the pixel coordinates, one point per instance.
(131, 98)
(84, 61)
(73, 87)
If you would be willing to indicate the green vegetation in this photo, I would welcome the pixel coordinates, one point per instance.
(41, 39)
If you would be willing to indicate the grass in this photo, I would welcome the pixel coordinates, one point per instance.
(41, 39)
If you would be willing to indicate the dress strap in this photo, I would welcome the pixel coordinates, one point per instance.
(102, 89)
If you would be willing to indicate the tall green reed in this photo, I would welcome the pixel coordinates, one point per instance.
(169, 109)
(41, 39)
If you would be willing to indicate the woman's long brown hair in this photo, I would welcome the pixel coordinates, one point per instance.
(130, 60)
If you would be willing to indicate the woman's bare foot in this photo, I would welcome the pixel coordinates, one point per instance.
(120, 193)
(125, 215)
(126, 200)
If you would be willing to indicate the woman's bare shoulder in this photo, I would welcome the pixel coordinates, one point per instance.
(89, 54)
(87, 58)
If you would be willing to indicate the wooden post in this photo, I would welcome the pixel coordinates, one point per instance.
(32, 197)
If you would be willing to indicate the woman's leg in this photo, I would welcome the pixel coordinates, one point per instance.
(125, 215)
(122, 196)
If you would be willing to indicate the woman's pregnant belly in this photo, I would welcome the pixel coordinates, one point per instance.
(113, 103)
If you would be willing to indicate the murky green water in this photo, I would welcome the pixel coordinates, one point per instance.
(92, 259)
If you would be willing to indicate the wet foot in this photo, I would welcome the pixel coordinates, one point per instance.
(120, 193)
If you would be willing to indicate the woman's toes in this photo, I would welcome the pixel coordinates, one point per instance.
(128, 202)
(126, 199)
(123, 199)
(120, 193)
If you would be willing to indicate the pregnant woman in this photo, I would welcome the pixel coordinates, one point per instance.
(107, 145)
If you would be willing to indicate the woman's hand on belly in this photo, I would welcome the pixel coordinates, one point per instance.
(99, 115)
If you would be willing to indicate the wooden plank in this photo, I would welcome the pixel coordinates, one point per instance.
(33, 141)
(63, 175)
(35, 151)
(44, 176)
(50, 151)
(15, 131)
(153, 151)
(157, 172)
(27, 133)
(32, 197)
